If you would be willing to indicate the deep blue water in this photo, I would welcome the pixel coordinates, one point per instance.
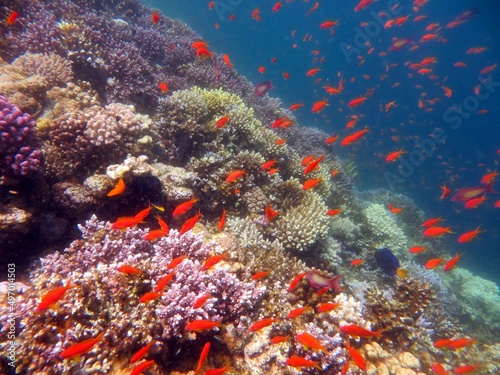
(472, 144)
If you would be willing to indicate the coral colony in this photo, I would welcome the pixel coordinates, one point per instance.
(205, 241)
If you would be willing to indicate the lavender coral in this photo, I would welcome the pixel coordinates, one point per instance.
(106, 300)
(19, 145)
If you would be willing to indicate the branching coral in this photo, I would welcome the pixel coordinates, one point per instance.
(54, 69)
(106, 300)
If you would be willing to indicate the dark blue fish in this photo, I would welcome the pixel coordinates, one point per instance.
(387, 261)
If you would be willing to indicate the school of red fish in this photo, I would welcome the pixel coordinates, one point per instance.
(471, 197)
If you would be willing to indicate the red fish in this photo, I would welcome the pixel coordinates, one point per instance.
(296, 281)
(216, 371)
(445, 192)
(277, 6)
(312, 72)
(212, 261)
(475, 202)
(297, 312)
(465, 369)
(393, 156)
(354, 137)
(162, 283)
(488, 69)
(184, 207)
(268, 164)
(190, 223)
(442, 343)
(431, 222)
(356, 356)
(125, 222)
(310, 184)
(313, 164)
(201, 301)
(296, 106)
(334, 212)
(11, 19)
(150, 296)
(357, 262)
(319, 106)
(319, 281)
(328, 24)
(309, 341)
(296, 361)
(357, 331)
(139, 369)
(438, 369)
(175, 262)
(222, 220)
(262, 323)
(129, 270)
(417, 249)
(363, 4)
(489, 177)
(270, 213)
(235, 175)
(469, 236)
(433, 263)
(155, 18)
(51, 298)
(460, 343)
(331, 139)
(81, 348)
(394, 210)
(141, 352)
(260, 275)
(163, 87)
(436, 231)
(202, 325)
(256, 16)
(227, 61)
(153, 235)
(203, 357)
(279, 339)
(466, 194)
(449, 265)
(221, 122)
(118, 189)
(327, 306)
(143, 214)
(358, 101)
(397, 44)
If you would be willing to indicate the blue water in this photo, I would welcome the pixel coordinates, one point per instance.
(472, 143)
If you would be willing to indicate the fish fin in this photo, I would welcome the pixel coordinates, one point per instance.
(402, 272)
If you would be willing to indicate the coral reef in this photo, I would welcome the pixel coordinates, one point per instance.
(19, 145)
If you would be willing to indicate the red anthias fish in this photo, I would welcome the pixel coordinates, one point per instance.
(397, 44)
(466, 194)
(320, 281)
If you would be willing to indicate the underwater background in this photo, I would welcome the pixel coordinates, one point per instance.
(239, 187)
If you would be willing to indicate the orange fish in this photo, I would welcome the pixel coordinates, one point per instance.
(227, 61)
(296, 361)
(280, 142)
(11, 19)
(357, 101)
(216, 371)
(417, 249)
(81, 348)
(190, 223)
(268, 164)
(184, 207)
(445, 192)
(125, 222)
(460, 343)
(296, 106)
(222, 220)
(141, 352)
(319, 106)
(286, 75)
(118, 189)
(354, 137)
(175, 262)
(162, 224)
(394, 210)
(465, 369)
(201, 301)
(221, 122)
(296, 281)
(469, 236)
(327, 306)
(261, 70)
(277, 6)
(357, 262)
(162, 283)
(475, 202)
(313, 164)
(431, 222)
(143, 214)
(212, 261)
(433, 263)
(235, 175)
(139, 369)
(393, 156)
(357, 331)
(489, 177)
(356, 356)
(309, 341)
(51, 298)
(331, 139)
(328, 24)
(447, 91)
(153, 235)
(452, 263)
(310, 184)
(436, 231)
(297, 312)
(202, 325)
(163, 87)
(438, 369)
(312, 72)
(262, 323)
(155, 18)
(129, 270)
(260, 275)
(442, 343)
(334, 212)
(150, 296)
(334, 173)
(279, 339)
(256, 14)
(203, 357)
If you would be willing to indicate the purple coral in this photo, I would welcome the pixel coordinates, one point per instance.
(19, 145)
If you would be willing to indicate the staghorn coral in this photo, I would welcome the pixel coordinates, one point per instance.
(106, 300)
(300, 227)
(54, 69)
(19, 145)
